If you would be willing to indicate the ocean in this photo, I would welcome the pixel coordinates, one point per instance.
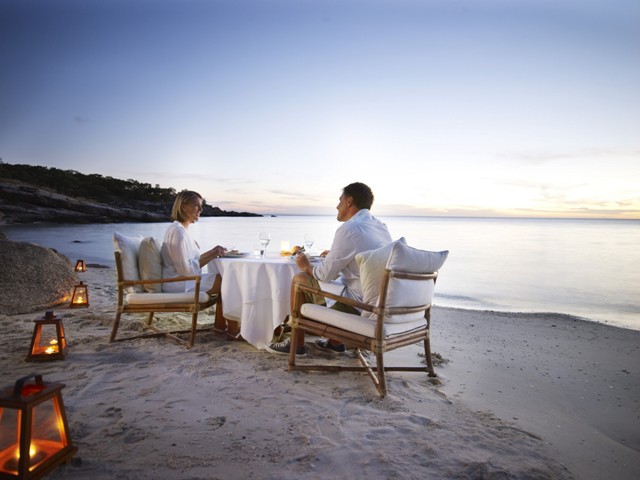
(580, 267)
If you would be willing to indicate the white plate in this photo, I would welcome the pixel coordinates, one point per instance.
(236, 255)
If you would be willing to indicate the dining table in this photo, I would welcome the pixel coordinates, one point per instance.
(256, 292)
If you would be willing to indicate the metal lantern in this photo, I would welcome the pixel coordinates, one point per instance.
(80, 297)
(34, 434)
(81, 266)
(48, 341)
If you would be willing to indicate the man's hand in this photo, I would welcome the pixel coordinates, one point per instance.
(303, 263)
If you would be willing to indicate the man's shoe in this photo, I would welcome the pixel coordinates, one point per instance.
(325, 344)
(283, 348)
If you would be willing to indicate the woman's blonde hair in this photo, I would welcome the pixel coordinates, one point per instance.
(184, 198)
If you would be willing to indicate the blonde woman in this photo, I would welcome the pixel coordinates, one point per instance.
(181, 253)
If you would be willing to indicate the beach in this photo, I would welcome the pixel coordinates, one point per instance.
(521, 396)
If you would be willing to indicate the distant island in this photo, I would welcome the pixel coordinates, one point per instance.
(31, 194)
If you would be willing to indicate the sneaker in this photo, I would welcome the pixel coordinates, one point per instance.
(324, 344)
(283, 348)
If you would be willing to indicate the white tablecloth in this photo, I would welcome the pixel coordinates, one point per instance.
(256, 292)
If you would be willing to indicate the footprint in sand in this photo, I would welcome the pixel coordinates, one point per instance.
(217, 422)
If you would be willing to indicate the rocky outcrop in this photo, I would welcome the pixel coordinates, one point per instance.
(33, 278)
(28, 204)
(20, 203)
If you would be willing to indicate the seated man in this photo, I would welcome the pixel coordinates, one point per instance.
(360, 232)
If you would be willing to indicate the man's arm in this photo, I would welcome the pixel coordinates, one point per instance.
(340, 255)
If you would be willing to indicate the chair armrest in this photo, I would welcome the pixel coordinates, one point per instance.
(333, 296)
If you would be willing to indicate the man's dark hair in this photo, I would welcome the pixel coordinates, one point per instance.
(361, 194)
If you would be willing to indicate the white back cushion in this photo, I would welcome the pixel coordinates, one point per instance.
(401, 292)
(128, 248)
(372, 264)
(409, 259)
(407, 293)
(150, 263)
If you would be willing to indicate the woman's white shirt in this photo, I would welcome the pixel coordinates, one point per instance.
(180, 256)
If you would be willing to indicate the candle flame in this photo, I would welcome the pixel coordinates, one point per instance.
(32, 452)
(53, 347)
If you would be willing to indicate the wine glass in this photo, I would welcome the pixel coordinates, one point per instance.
(264, 239)
(308, 242)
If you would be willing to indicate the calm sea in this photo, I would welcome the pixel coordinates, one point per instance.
(586, 268)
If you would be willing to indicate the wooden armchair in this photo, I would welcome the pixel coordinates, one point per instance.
(398, 284)
(136, 295)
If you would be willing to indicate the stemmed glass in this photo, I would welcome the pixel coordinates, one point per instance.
(308, 242)
(264, 238)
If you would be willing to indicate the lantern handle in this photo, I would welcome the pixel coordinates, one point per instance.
(20, 383)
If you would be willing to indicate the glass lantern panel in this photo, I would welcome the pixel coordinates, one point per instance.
(79, 295)
(9, 440)
(47, 341)
(47, 431)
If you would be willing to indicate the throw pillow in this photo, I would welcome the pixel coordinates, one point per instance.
(403, 292)
(409, 259)
(150, 264)
(128, 248)
(372, 264)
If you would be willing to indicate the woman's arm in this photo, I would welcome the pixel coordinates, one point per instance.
(209, 255)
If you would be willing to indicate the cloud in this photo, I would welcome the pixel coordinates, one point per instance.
(542, 157)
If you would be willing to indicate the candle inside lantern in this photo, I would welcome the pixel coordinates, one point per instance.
(35, 457)
(80, 296)
(52, 348)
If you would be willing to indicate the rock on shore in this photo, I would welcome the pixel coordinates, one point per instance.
(33, 278)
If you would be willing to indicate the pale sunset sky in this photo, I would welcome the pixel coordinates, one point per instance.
(444, 107)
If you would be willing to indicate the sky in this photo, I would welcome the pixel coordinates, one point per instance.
(443, 107)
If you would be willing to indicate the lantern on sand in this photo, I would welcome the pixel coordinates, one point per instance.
(48, 341)
(81, 266)
(80, 297)
(34, 434)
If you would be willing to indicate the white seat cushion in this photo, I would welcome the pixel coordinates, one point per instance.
(150, 298)
(356, 323)
(128, 248)
(150, 264)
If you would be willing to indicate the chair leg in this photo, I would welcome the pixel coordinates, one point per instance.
(292, 347)
(427, 356)
(233, 330)
(382, 380)
(220, 323)
(194, 326)
(116, 324)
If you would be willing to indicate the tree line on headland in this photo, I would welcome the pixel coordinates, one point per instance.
(32, 193)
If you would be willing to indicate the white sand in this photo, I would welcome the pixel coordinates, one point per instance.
(521, 396)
